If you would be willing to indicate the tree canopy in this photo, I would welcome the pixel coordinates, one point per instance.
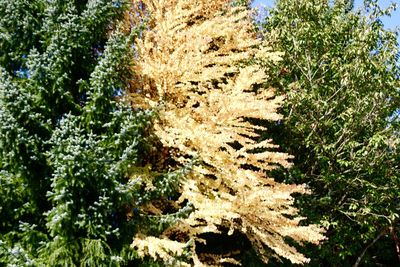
(67, 141)
(340, 73)
(184, 133)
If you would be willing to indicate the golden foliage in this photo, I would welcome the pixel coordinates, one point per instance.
(192, 65)
(164, 249)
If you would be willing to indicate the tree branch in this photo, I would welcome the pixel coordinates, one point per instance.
(367, 247)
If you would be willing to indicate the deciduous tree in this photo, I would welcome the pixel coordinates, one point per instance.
(340, 73)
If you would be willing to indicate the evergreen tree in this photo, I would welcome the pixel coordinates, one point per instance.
(196, 64)
(340, 73)
(68, 141)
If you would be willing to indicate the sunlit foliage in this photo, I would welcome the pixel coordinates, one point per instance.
(196, 66)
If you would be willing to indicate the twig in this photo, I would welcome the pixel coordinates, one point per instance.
(367, 247)
(396, 241)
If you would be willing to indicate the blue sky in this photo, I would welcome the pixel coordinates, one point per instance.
(390, 22)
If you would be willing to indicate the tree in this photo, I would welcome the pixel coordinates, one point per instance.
(196, 65)
(340, 74)
(68, 141)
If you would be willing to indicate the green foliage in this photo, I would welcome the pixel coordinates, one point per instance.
(341, 74)
(68, 141)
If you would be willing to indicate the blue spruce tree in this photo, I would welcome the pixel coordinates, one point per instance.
(68, 141)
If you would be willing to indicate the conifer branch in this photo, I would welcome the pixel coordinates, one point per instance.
(192, 66)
